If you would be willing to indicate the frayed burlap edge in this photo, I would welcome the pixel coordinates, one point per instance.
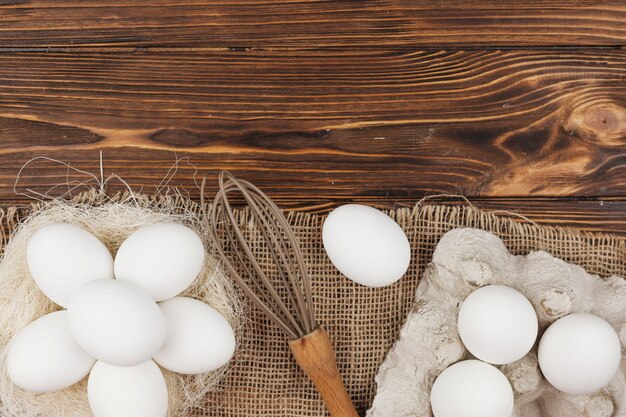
(11, 216)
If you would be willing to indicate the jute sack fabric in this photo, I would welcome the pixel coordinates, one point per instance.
(363, 322)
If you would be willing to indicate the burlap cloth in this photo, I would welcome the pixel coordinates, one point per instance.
(364, 322)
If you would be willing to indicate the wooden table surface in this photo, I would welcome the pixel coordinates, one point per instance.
(518, 105)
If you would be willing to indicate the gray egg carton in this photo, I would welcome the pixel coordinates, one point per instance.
(464, 260)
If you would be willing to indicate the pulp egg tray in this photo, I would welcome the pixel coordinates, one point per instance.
(429, 342)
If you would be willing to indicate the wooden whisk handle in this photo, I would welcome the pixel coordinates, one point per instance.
(315, 355)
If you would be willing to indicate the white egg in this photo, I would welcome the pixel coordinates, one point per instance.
(43, 356)
(497, 324)
(116, 322)
(579, 353)
(366, 245)
(135, 391)
(471, 389)
(63, 257)
(163, 259)
(198, 338)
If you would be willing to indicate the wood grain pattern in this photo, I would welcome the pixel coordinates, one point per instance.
(594, 215)
(312, 23)
(322, 102)
(607, 214)
(323, 124)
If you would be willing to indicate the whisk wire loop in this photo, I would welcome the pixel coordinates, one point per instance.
(294, 313)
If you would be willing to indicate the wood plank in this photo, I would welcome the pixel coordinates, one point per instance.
(594, 215)
(324, 125)
(311, 23)
(602, 215)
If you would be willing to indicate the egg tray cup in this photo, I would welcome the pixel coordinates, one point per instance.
(111, 219)
(464, 260)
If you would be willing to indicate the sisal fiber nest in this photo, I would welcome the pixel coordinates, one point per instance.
(111, 219)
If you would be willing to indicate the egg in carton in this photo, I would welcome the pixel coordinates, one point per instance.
(464, 260)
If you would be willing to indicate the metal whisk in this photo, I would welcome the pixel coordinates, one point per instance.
(286, 301)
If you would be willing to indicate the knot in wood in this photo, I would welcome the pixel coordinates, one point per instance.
(603, 123)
